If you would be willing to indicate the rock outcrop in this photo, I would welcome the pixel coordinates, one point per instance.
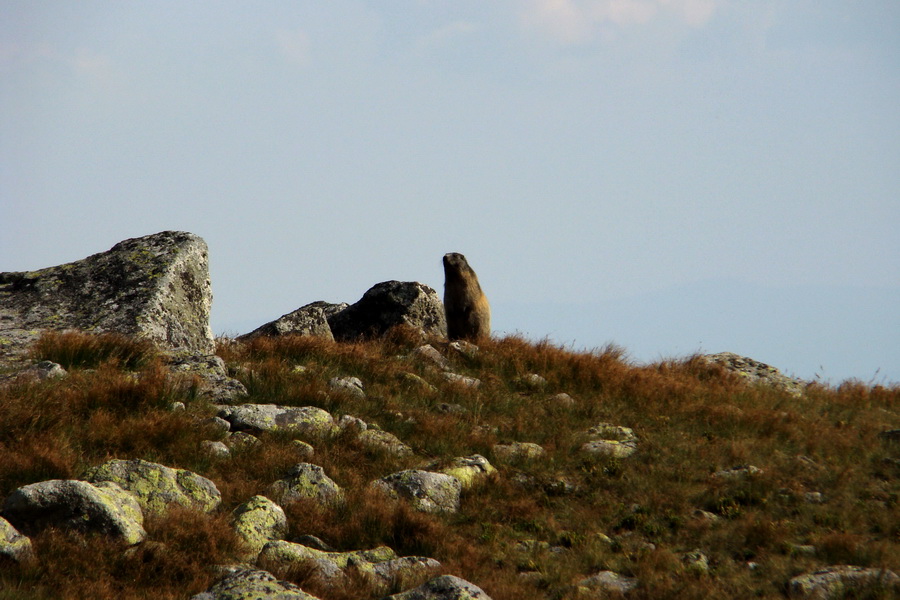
(755, 372)
(387, 305)
(155, 287)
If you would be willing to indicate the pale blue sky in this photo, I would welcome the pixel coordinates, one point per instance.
(671, 176)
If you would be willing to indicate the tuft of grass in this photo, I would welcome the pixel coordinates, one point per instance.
(73, 349)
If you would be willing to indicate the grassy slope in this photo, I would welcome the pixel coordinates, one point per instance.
(635, 516)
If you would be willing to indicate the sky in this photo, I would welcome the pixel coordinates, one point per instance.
(668, 176)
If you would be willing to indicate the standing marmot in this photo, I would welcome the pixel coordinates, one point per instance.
(467, 308)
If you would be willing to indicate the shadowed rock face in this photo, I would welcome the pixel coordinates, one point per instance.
(386, 305)
(155, 287)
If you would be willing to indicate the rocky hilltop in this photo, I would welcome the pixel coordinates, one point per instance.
(352, 450)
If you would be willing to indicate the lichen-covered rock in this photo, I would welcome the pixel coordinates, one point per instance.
(311, 320)
(252, 584)
(306, 482)
(387, 305)
(610, 440)
(379, 440)
(103, 508)
(755, 372)
(379, 567)
(426, 491)
(305, 420)
(603, 583)
(156, 486)
(835, 581)
(258, 521)
(469, 470)
(517, 451)
(14, 546)
(445, 587)
(155, 287)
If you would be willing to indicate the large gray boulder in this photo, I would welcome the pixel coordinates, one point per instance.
(102, 508)
(445, 587)
(155, 287)
(387, 305)
(156, 486)
(311, 319)
(247, 584)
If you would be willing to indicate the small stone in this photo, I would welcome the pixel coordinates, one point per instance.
(814, 498)
(461, 380)
(564, 400)
(351, 386)
(517, 451)
(696, 561)
(427, 353)
(740, 472)
(426, 491)
(464, 348)
(304, 450)
(241, 440)
(606, 582)
(216, 425)
(306, 481)
(377, 440)
(215, 449)
(531, 381)
(352, 424)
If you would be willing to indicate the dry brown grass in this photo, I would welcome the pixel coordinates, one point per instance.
(692, 419)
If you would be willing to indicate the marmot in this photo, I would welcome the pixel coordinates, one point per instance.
(467, 309)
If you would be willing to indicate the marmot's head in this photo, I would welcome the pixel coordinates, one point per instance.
(455, 264)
